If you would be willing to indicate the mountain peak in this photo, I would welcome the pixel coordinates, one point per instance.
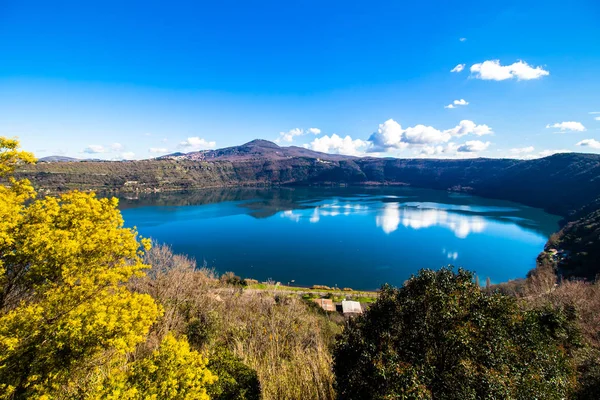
(261, 143)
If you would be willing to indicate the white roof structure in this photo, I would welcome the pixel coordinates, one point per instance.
(351, 307)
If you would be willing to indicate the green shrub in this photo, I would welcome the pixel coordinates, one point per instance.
(440, 336)
(236, 381)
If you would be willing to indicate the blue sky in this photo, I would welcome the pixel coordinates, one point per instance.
(116, 79)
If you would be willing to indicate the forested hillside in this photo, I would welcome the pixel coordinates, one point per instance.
(561, 184)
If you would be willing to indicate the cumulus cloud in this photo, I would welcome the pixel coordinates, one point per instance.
(522, 150)
(473, 146)
(547, 153)
(289, 135)
(116, 147)
(448, 148)
(463, 39)
(467, 127)
(568, 126)
(591, 143)
(458, 68)
(128, 155)
(157, 150)
(292, 133)
(388, 135)
(461, 102)
(391, 135)
(338, 145)
(196, 143)
(94, 149)
(492, 70)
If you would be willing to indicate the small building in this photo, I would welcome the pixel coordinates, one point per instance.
(325, 304)
(351, 307)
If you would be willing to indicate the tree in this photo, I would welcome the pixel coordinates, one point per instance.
(66, 316)
(440, 336)
(173, 371)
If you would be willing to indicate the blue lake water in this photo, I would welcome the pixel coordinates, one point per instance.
(349, 237)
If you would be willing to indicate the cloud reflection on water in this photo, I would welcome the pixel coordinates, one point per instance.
(390, 216)
(393, 214)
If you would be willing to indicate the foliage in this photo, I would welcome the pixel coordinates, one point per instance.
(173, 371)
(440, 336)
(66, 317)
(229, 278)
(277, 336)
(236, 381)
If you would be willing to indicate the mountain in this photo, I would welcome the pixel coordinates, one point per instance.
(561, 184)
(58, 159)
(256, 149)
(566, 184)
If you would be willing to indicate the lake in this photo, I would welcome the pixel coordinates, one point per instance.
(346, 237)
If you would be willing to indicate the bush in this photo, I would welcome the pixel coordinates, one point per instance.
(441, 337)
(236, 381)
(229, 278)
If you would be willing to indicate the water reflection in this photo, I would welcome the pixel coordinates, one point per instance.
(389, 218)
(461, 225)
(407, 207)
(353, 237)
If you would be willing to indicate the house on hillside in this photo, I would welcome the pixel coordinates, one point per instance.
(325, 304)
(350, 308)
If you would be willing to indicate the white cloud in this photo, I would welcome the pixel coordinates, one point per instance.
(473, 146)
(463, 39)
(492, 70)
(94, 149)
(421, 134)
(157, 150)
(116, 147)
(467, 127)
(292, 133)
(289, 135)
(128, 155)
(570, 126)
(338, 145)
(458, 68)
(449, 148)
(591, 143)
(391, 135)
(461, 102)
(594, 112)
(388, 135)
(522, 150)
(546, 153)
(597, 118)
(196, 143)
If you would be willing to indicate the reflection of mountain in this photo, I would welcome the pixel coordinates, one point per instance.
(392, 215)
(413, 208)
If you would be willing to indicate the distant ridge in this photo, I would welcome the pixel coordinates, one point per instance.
(58, 159)
(255, 149)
